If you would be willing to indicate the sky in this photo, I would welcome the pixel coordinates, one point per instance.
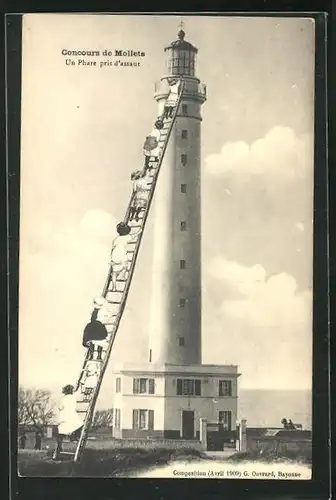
(82, 135)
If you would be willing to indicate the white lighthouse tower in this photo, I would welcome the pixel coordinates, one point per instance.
(175, 327)
(167, 396)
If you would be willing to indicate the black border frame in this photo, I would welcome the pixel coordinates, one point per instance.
(319, 486)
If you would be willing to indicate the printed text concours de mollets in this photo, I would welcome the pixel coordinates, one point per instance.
(89, 57)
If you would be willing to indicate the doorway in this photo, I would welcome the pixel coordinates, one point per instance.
(188, 425)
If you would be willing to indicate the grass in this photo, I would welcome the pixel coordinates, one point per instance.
(100, 463)
(303, 457)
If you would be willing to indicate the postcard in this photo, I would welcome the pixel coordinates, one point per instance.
(166, 246)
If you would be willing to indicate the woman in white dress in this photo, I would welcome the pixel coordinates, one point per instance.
(141, 187)
(174, 86)
(119, 257)
(151, 146)
(90, 379)
(70, 422)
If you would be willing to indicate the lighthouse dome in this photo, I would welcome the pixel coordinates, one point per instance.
(181, 43)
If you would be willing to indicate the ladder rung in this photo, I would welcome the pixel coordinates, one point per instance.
(66, 454)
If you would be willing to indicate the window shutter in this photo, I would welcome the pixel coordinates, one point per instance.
(150, 420)
(229, 420)
(179, 387)
(197, 387)
(151, 386)
(135, 419)
(135, 386)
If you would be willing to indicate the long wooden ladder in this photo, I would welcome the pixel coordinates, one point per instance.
(117, 299)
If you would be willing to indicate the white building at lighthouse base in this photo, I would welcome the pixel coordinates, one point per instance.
(168, 401)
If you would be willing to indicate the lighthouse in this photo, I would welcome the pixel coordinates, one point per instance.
(175, 323)
(170, 394)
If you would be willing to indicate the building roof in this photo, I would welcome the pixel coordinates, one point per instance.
(181, 43)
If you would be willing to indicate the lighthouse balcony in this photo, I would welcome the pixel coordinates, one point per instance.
(193, 89)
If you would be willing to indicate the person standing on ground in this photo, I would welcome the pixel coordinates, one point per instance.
(23, 441)
(38, 440)
(70, 422)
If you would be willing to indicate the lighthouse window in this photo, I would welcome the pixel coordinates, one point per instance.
(183, 225)
(184, 159)
(225, 418)
(181, 341)
(225, 388)
(143, 419)
(182, 302)
(188, 387)
(175, 66)
(184, 134)
(183, 188)
(143, 386)
(182, 264)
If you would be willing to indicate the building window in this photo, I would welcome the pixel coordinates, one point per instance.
(183, 188)
(182, 264)
(188, 387)
(118, 384)
(181, 341)
(224, 417)
(143, 386)
(117, 418)
(183, 225)
(184, 159)
(184, 134)
(184, 109)
(143, 419)
(225, 388)
(182, 302)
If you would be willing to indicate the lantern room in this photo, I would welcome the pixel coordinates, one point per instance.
(181, 56)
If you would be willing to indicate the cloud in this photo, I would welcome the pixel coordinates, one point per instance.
(280, 153)
(268, 214)
(266, 301)
(262, 322)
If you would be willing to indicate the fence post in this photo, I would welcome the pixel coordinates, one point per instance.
(242, 436)
(203, 434)
(237, 435)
